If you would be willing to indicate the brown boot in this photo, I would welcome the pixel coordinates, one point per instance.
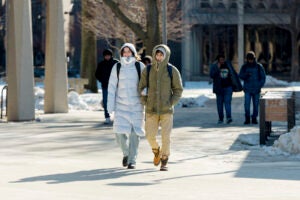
(164, 161)
(156, 159)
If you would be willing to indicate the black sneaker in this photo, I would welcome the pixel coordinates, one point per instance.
(124, 161)
(247, 120)
(220, 122)
(229, 120)
(254, 121)
(131, 166)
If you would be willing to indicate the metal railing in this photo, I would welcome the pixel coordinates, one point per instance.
(4, 88)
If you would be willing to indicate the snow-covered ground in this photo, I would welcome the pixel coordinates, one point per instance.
(195, 94)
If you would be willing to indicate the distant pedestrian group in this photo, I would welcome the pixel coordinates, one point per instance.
(226, 81)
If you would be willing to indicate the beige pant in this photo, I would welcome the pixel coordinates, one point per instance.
(165, 121)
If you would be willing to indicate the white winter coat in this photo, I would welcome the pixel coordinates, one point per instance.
(124, 99)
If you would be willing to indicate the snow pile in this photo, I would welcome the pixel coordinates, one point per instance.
(93, 100)
(88, 101)
(249, 139)
(271, 81)
(289, 142)
(274, 151)
(76, 102)
(39, 94)
(192, 102)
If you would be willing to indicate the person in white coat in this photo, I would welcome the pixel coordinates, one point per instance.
(124, 101)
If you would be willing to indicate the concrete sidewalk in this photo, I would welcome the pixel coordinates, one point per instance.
(75, 157)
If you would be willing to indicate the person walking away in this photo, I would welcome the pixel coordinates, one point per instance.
(254, 77)
(222, 87)
(124, 101)
(161, 88)
(102, 75)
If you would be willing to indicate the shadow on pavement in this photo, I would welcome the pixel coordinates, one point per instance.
(257, 163)
(90, 175)
(207, 116)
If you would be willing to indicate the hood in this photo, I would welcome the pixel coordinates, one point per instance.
(107, 52)
(131, 47)
(166, 50)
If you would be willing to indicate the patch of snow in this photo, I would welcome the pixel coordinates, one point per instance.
(289, 142)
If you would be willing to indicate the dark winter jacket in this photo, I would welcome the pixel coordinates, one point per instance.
(254, 77)
(103, 71)
(219, 82)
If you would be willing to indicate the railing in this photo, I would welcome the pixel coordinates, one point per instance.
(4, 88)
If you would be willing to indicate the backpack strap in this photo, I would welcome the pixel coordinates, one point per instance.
(170, 72)
(148, 74)
(118, 69)
(138, 69)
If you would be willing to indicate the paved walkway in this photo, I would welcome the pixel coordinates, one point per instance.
(74, 157)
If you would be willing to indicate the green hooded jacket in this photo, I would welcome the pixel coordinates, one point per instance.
(163, 93)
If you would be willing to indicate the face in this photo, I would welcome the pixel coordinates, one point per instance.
(221, 60)
(107, 57)
(147, 62)
(159, 56)
(250, 60)
(126, 52)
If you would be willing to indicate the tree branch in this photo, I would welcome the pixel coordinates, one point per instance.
(135, 27)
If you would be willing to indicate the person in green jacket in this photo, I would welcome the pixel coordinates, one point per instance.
(161, 88)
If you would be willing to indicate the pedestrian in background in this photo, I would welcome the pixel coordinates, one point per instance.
(102, 74)
(124, 101)
(222, 87)
(161, 87)
(147, 60)
(254, 77)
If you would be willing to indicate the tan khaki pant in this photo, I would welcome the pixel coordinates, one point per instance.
(165, 121)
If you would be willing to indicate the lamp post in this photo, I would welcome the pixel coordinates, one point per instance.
(164, 22)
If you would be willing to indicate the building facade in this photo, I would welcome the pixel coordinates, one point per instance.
(233, 27)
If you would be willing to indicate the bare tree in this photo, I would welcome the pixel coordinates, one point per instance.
(136, 21)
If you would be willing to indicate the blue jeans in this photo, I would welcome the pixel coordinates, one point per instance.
(255, 101)
(224, 99)
(104, 100)
(129, 148)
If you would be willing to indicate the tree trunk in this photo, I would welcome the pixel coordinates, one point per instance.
(153, 37)
(88, 54)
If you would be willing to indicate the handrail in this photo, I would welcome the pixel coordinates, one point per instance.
(4, 88)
